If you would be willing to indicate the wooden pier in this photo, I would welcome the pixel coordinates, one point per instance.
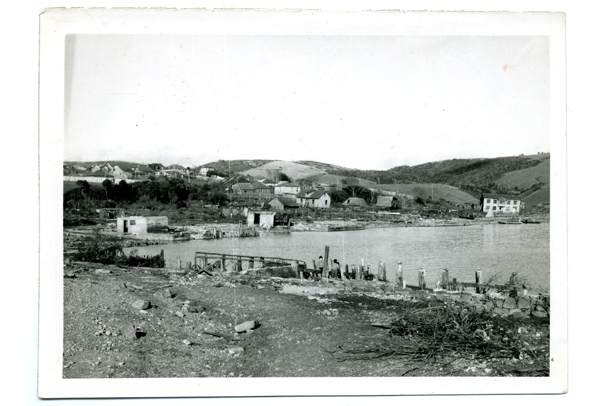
(224, 262)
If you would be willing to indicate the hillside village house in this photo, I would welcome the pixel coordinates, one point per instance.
(242, 188)
(387, 202)
(138, 225)
(281, 203)
(204, 171)
(314, 199)
(499, 204)
(287, 189)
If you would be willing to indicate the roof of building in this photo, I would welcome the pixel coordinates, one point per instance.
(497, 196)
(288, 184)
(286, 201)
(259, 185)
(244, 186)
(355, 201)
(317, 194)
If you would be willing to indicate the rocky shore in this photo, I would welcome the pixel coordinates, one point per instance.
(143, 322)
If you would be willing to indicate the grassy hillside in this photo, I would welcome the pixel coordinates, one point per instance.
(526, 178)
(293, 170)
(323, 166)
(536, 196)
(236, 165)
(437, 191)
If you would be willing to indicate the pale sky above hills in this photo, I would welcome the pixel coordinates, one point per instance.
(368, 102)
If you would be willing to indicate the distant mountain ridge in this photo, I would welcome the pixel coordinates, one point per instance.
(528, 176)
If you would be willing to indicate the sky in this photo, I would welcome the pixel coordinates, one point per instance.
(366, 102)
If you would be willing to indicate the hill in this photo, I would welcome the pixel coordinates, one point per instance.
(449, 193)
(536, 196)
(323, 166)
(124, 165)
(236, 165)
(291, 169)
(526, 178)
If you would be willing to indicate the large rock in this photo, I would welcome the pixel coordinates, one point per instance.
(489, 306)
(141, 304)
(524, 303)
(540, 314)
(245, 326)
(499, 303)
(501, 311)
(516, 313)
(510, 303)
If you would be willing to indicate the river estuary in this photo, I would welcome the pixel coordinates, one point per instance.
(495, 248)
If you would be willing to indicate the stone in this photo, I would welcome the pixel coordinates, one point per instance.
(103, 271)
(141, 304)
(235, 350)
(501, 311)
(510, 303)
(168, 293)
(187, 342)
(179, 314)
(245, 326)
(499, 303)
(516, 313)
(540, 314)
(129, 331)
(489, 306)
(540, 308)
(524, 303)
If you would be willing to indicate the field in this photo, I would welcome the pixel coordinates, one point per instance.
(526, 178)
(293, 170)
(448, 193)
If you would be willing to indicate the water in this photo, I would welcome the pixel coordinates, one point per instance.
(495, 248)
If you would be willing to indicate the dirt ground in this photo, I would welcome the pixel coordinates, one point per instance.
(304, 328)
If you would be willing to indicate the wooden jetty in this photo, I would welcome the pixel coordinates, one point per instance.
(211, 260)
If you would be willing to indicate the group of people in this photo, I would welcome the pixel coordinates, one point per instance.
(334, 272)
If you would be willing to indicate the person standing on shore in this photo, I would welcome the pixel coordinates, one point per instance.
(336, 269)
(320, 266)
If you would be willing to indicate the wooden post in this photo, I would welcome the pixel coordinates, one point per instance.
(383, 272)
(223, 263)
(178, 263)
(294, 265)
(326, 264)
(361, 269)
(344, 272)
(261, 262)
(422, 283)
(445, 278)
(239, 264)
(315, 266)
(400, 275)
(251, 263)
(478, 280)
(189, 266)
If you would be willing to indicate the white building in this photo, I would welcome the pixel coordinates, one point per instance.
(287, 189)
(499, 204)
(138, 225)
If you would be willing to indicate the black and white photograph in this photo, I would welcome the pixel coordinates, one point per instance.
(318, 195)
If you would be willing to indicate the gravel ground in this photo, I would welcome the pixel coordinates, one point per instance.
(303, 327)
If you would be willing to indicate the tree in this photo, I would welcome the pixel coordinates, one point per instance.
(283, 177)
(218, 198)
(339, 196)
(108, 187)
